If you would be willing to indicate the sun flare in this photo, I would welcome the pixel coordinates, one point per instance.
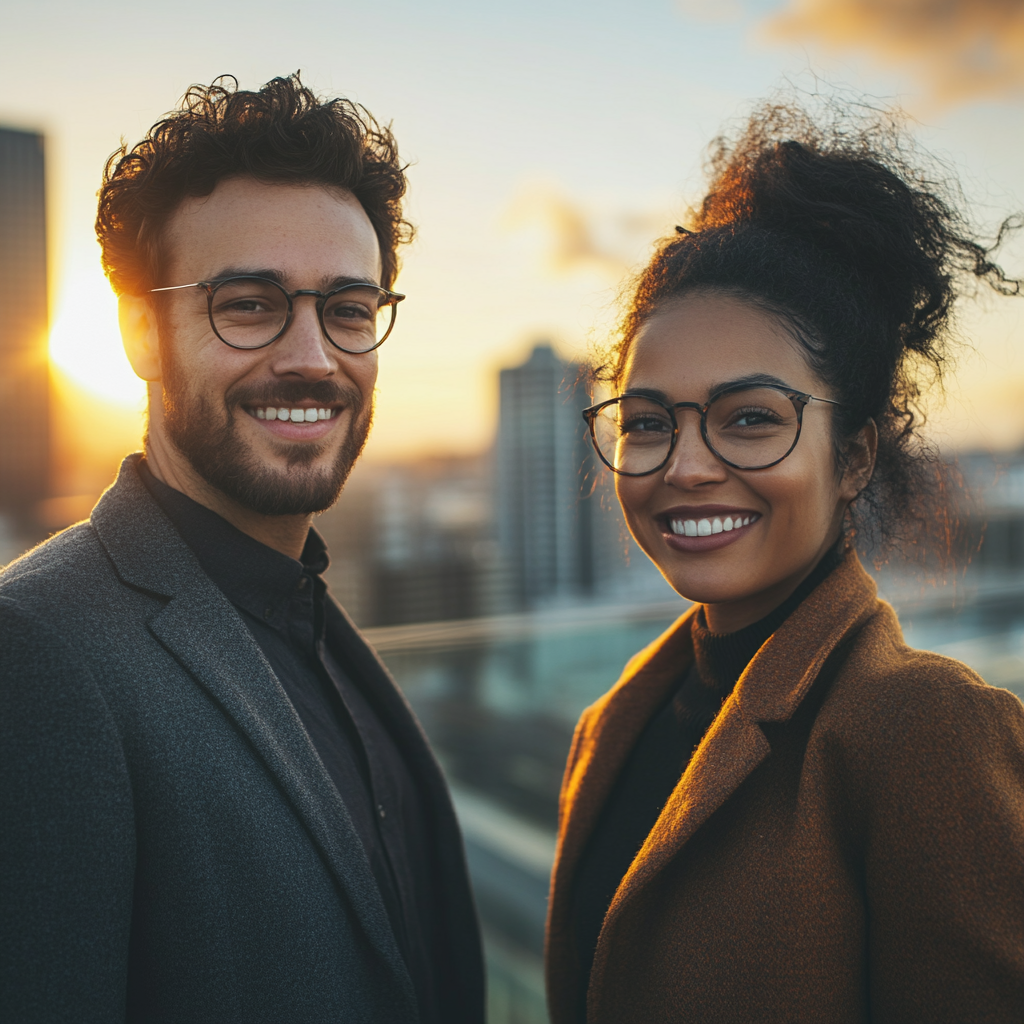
(85, 342)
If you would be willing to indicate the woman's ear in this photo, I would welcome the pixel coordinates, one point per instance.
(861, 450)
(140, 336)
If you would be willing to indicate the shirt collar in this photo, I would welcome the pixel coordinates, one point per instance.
(252, 575)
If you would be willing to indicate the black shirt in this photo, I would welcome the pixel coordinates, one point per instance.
(659, 759)
(283, 602)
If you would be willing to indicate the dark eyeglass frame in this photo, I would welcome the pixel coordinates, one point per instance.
(800, 400)
(210, 287)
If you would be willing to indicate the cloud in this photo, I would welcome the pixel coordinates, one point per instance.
(960, 49)
(710, 10)
(578, 239)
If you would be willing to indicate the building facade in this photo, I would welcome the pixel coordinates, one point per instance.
(545, 475)
(24, 365)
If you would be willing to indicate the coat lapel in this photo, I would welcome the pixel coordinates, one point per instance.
(769, 690)
(204, 633)
(607, 735)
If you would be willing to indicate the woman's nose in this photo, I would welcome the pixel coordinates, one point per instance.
(692, 463)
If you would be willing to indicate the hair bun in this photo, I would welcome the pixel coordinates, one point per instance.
(854, 196)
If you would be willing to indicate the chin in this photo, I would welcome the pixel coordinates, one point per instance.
(700, 580)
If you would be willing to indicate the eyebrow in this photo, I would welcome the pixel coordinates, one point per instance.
(327, 284)
(751, 380)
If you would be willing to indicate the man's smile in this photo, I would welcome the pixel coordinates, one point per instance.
(296, 422)
(292, 415)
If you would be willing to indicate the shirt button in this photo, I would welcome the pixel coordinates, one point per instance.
(302, 583)
(268, 612)
(381, 811)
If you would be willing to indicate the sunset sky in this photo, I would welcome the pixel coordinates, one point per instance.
(550, 143)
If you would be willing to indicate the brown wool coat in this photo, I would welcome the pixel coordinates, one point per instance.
(846, 845)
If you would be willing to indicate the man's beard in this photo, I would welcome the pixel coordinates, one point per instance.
(224, 460)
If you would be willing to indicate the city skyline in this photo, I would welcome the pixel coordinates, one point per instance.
(550, 145)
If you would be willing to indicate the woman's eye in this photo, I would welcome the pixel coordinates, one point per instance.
(645, 424)
(754, 418)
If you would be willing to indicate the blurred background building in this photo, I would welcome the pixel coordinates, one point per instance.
(24, 358)
(544, 516)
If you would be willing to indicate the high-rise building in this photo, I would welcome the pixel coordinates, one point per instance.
(545, 471)
(24, 367)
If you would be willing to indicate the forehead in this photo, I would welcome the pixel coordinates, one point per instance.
(298, 230)
(696, 343)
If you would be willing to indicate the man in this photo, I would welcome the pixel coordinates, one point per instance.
(216, 805)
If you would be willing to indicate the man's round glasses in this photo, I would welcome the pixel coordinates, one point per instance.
(253, 312)
(745, 427)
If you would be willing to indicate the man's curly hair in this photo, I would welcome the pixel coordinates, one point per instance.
(282, 133)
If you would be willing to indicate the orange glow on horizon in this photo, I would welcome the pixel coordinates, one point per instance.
(90, 438)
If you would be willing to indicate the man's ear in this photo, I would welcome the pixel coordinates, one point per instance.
(861, 451)
(139, 335)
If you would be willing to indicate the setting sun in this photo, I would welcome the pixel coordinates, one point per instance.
(85, 343)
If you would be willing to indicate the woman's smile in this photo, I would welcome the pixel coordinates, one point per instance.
(705, 527)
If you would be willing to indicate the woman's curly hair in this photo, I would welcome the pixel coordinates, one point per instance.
(830, 226)
(281, 133)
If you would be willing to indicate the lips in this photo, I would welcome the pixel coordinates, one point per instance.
(697, 528)
(292, 414)
(707, 526)
(296, 421)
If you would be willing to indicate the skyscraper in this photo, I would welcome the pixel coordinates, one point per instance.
(544, 470)
(24, 367)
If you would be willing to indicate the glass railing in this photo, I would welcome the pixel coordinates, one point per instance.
(499, 698)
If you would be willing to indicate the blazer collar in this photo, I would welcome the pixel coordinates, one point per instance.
(205, 634)
(769, 690)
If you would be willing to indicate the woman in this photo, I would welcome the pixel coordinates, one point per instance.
(781, 812)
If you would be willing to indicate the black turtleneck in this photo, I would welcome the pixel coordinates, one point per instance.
(660, 757)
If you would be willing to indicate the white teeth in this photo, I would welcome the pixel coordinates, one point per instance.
(294, 415)
(707, 527)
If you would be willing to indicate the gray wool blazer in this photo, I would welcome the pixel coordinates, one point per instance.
(171, 847)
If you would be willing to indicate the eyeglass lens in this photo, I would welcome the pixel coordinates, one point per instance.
(249, 312)
(751, 428)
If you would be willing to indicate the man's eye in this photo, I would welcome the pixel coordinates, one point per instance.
(348, 311)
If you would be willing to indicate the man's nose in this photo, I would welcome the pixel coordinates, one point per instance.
(304, 350)
(692, 463)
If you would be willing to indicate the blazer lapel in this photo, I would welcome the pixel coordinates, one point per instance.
(205, 634)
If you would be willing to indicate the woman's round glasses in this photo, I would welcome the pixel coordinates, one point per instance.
(745, 427)
(252, 312)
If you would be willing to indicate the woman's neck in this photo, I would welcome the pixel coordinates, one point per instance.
(722, 657)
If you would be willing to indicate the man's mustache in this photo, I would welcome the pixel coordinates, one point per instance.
(295, 392)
